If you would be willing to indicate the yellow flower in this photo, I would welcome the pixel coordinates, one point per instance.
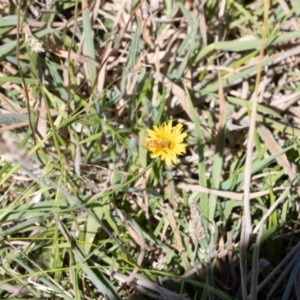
(166, 142)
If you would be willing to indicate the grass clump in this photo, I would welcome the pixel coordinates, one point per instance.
(211, 91)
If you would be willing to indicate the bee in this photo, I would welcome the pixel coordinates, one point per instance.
(157, 144)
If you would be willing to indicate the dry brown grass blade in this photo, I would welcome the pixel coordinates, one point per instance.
(108, 49)
(148, 25)
(120, 37)
(202, 21)
(247, 226)
(177, 91)
(226, 194)
(230, 258)
(8, 104)
(14, 126)
(179, 245)
(142, 283)
(271, 209)
(41, 120)
(274, 147)
(222, 111)
(287, 10)
(139, 239)
(286, 102)
(16, 291)
(73, 55)
(12, 153)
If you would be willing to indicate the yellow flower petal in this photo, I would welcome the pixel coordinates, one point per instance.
(165, 142)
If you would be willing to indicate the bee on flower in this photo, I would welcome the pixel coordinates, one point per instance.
(166, 142)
